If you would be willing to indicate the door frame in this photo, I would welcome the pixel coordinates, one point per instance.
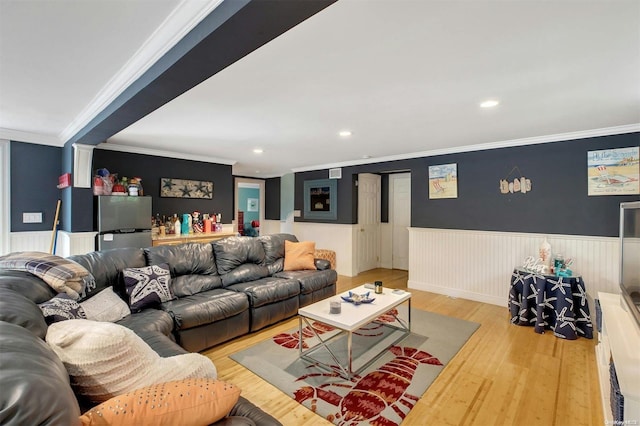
(238, 181)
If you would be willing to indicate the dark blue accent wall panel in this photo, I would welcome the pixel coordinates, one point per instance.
(557, 204)
(34, 175)
(152, 168)
(272, 199)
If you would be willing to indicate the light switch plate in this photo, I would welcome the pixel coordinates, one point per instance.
(32, 217)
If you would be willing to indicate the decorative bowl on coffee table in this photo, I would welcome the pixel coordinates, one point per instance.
(357, 299)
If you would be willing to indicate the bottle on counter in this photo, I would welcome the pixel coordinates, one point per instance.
(177, 225)
(185, 224)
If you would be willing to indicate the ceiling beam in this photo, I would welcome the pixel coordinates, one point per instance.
(231, 31)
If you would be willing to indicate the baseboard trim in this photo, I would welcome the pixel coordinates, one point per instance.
(454, 292)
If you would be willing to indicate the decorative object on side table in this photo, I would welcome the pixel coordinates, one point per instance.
(545, 255)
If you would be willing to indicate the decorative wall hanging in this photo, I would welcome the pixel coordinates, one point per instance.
(320, 199)
(183, 188)
(252, 204)
(518, 184)
(613, 171)
(443, 181)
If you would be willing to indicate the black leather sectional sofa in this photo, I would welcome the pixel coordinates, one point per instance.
(223, 290)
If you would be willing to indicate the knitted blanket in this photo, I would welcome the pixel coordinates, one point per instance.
(63, 275)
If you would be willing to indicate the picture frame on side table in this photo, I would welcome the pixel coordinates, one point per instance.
(321, 199)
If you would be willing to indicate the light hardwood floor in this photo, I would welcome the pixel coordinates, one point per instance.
(504, 374)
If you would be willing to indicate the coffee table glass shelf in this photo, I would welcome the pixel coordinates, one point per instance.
(351, 318)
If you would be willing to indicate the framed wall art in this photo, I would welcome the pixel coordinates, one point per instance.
(253, 204)
(183, 188)
(443, 181)
(320, 199)
(613, 171)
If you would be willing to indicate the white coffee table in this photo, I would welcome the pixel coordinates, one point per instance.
(351, 318)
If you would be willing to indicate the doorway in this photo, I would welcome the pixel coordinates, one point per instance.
(249, 206)
(368, 230)
(400, 218)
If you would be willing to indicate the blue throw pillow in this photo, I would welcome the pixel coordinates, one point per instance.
(148, 286)
(61, 307)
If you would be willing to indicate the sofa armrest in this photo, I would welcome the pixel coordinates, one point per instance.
(244, 408)
(322, 264)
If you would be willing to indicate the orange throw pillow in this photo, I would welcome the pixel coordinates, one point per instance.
(185, 402)
(299, 256)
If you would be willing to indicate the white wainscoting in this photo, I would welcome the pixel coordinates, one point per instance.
(339, 238)
(67, 243)
(70, 244)
(30, 241)
(477, 265)
(268, 227)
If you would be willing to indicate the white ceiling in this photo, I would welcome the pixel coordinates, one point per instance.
(405, 76)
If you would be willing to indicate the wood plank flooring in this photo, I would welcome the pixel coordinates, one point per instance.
(504, 375)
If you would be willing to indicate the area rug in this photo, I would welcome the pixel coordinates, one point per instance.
(385, 391)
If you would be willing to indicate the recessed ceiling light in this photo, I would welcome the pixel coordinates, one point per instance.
(345, 133)
(489, 103)
(257, 151)
(366, 156)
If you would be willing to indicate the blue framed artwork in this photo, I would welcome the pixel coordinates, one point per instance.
(320, 199)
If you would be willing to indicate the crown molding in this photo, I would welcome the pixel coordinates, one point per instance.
(178, 24)
(163, 153)
(31, 137)
(582, 134)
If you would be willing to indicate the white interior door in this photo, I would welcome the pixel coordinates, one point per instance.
(368, 247)
(400, 217)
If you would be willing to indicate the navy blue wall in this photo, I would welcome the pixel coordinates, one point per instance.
(151, 168)
(557, 204)
(272, 199)
(34, 175)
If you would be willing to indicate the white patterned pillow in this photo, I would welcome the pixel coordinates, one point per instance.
(148, 286)
(106, 359)
(60, 308)
(105, 306)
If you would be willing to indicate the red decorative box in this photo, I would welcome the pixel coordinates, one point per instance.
(64, 181)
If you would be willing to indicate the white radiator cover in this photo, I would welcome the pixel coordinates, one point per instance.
(477, 265)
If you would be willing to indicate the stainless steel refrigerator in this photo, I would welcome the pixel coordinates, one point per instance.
(123, 221)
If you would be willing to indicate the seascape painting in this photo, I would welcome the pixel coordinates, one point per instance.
(614, 171)
(443, 181)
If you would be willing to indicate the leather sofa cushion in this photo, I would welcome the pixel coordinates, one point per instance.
(30, 286)
(31, 371)
(163, 345)
(274, 246)
(245, 273)
(186, 285)
(107, 266)
(311, 281)
(268, 290)
(17, 309)
(232, 252)
(206, 307)
(149, 320)
(184, 259)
